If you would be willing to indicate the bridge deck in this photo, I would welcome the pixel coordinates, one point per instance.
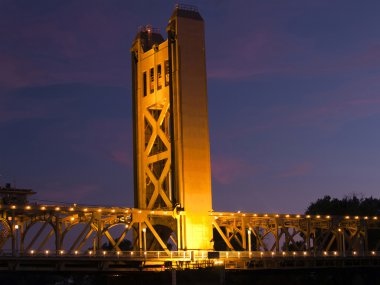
(160, 260)
(52, 237)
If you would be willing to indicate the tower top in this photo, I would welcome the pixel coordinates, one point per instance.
(149, 36)
(186, 11)
(186, 7)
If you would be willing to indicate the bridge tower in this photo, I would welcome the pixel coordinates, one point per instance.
(171, 136)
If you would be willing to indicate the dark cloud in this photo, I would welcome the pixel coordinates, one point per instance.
(66, 42)
(293, 98)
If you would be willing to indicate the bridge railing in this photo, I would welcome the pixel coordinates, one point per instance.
(189, 255)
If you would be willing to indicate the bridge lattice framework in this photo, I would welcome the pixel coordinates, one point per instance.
(37, 228)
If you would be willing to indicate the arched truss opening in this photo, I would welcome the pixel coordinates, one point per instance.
(5, 234)
(39, 234)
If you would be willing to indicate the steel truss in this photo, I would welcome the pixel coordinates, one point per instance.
(34, 228)
(312, 233)
(156, 154)
(31, 228)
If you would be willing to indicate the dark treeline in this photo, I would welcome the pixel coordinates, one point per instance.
(349, 205)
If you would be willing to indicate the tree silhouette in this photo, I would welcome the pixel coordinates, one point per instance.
(352, 206)
(124, 245)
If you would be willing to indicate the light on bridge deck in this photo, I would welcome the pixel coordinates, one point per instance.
(218, 262)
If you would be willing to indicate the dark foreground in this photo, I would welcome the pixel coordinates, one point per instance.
(326, 276)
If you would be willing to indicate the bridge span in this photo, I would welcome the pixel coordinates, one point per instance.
(160, 260)
(88, 238)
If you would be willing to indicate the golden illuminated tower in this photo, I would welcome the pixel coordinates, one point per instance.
(171, 136)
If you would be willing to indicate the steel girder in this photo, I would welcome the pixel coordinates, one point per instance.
(157, 152)
(71, 228)
(38, 227)
(313, 233)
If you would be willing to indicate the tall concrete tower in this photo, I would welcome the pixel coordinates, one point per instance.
(171, 136)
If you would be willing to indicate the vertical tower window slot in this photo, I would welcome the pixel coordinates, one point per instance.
(166, 72)
(159, 77)
(151, 77)
(144, 84)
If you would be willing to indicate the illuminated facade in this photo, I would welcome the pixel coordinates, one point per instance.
(171, 136)
(173, 192)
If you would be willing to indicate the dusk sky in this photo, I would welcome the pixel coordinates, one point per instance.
(293, 89)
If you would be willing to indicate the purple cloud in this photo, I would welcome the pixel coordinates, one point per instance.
(269, 54)
(226, 170)
(92, 141)
(14, 107)
(77, 193)
(327, 110)
(50, 49)
(122, 156)
(297, 170)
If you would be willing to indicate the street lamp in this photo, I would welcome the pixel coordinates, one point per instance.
(16, 228)
(249, 241)
(144, 238)
(343, 242)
